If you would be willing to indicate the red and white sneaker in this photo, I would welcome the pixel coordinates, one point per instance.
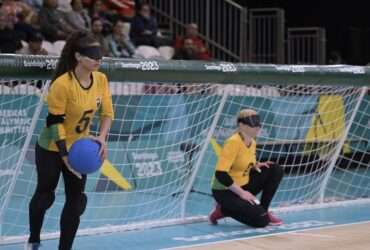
(215, 215)
(274, 221)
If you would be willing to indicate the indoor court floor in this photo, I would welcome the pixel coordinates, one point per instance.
(339, 228)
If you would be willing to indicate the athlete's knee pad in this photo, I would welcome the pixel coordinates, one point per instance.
(260, 221)
(278, 171)
(83, 203)
(43, 201)
(76, 204)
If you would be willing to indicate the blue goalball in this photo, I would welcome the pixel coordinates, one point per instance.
(83, 156)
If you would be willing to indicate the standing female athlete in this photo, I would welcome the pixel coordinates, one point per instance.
(77, 91)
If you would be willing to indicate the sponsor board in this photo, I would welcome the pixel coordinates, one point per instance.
(333, 69)
(48, 64)
(223, 67)
(143, 65)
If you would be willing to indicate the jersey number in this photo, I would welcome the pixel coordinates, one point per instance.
(246, 172)
(84, 122)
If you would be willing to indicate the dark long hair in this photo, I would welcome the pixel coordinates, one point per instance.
(67, 61)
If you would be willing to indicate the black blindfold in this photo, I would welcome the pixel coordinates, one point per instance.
(251, 121)
(93, 52)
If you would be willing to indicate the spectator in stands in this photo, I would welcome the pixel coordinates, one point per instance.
(98, 8)
(239, 177)
(10, 39)
(120, 44)
(78, 17)
(35, 4)
(52, 21)
(97, 31)
(125, 9)
(34, 46)
(17, 11)
(187, 51)
(64, 6)
(35, 23)
(21, 16)
(144, 28)
(198, 44)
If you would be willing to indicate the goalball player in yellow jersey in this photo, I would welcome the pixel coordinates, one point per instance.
(77, 91)
(239, 177)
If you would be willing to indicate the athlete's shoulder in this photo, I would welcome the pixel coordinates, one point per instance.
(64, 78)
(234, 138)
(100, 76)
(62, 82)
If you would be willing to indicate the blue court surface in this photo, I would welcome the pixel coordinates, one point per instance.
(202, 233)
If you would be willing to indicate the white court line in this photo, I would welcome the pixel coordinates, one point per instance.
(262, 236)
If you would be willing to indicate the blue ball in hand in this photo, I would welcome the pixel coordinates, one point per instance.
(84, 156)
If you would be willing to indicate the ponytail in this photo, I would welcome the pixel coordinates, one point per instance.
(67, 61)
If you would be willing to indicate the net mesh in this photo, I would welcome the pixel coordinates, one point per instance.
(164, 144)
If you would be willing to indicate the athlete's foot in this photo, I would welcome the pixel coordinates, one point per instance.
(32, 246)
(215, 215)
(274, 221)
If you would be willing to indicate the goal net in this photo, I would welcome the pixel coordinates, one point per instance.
(171, 119)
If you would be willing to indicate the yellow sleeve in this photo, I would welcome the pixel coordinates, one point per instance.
(107, 106)
(228, 155)
(57, 98)
(57, 102)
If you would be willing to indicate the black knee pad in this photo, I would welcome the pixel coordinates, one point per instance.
(43, 201)
(83, 203)
(260, 221)
(76, 204)
(278, 170)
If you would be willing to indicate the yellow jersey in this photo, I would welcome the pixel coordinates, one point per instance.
(237, 160)
(78, 104)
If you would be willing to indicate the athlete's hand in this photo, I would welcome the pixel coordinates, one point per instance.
(77, 174)
(260, 165)
(103, 152)
(245, 195)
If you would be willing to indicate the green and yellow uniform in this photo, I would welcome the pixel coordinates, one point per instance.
(237, 160)
(77, 105)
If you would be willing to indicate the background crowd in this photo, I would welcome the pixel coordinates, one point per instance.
(125, 29)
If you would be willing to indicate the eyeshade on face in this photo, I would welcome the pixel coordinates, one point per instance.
(93, 52)
(252, 121)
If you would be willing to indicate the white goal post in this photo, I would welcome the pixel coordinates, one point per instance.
(171, 120)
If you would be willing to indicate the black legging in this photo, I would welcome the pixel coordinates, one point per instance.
(241, 210)
(49, 166)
